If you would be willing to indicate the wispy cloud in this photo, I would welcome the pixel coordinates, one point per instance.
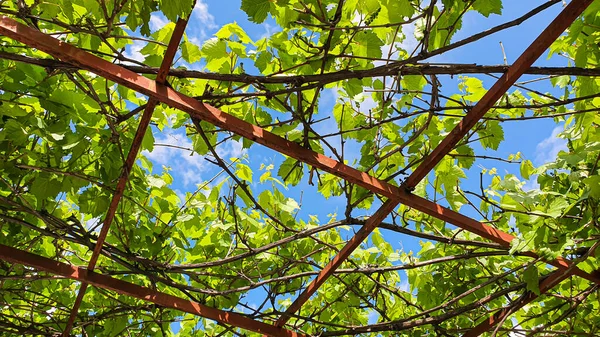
(201, 13)
(184, 163)
(203, 22)
(157, 21)
(548, 148)
(174, 150)
(546, 151)
(133, 51)
(410, 41)
(269, 30)
(405, 286)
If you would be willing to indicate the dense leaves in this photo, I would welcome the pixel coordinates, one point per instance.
(226, 222)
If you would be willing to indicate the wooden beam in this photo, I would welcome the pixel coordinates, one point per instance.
(524, 62)
(86, 276)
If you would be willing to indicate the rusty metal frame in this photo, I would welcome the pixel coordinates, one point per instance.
(87, 276)
(161, 78)
(159, 92)
(551, 281)
(257, 134)
(526, 60)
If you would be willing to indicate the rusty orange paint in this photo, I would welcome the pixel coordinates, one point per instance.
(522, 64)
(41, 263)
(129, 161)
(255, 133)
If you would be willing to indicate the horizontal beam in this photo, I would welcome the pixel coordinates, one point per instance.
(524, 62)
(41, 263)
(208, 113)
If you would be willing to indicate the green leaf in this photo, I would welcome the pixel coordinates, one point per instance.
(48, 247)
(413, 82)
(190, 52)
(148, 140)
(487, 7)
(526, 169)
(593, 185)
(45, 186)
(367, 44)
(291, 171)
(244, 172)
(216, 53)
(491, 135)
(531, 277)
(556, 207)
(230, 30)
(474, 87)
(257, 10)
(176, 8)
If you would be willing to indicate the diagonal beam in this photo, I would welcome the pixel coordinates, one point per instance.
(545, 285)
(252, 132)
(524, 62)
(337, 261)
(161, 78)
(87, 276)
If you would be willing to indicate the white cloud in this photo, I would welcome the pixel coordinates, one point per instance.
(548, 149)
(157, 21)
(405, 286)
(230, 149)
(134, 49)
(93, 223)
(203, 21)
(531, 184)
(201, 12)
(410, 41)
(50, 313)
(184, 163)
(408, 44)
(269, 30)
(373, 317)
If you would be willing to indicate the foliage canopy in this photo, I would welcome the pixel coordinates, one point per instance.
(240, 240)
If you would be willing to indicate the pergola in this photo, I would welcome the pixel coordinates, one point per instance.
(159, 91)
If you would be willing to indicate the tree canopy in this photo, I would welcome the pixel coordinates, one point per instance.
(235, 226)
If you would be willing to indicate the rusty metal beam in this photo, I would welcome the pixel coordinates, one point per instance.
(524, 62)
(551, 281)
(545, 285)
(161, 78)
(337, 261)
(86, 276)
(208, 113)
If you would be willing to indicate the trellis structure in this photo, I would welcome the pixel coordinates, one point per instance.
(159, 91)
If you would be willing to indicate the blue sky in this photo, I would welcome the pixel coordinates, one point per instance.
(537, 140)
